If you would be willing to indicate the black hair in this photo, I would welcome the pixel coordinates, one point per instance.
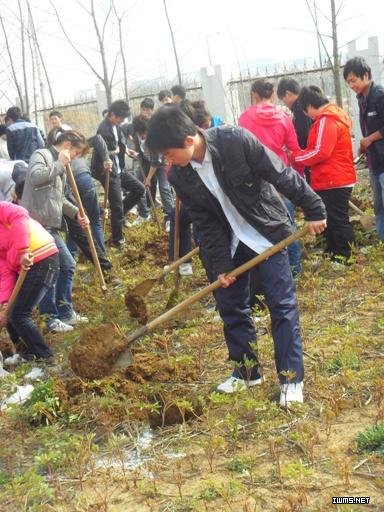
(312, 96)
(14, 113)
(140, 124)
(263, 88)
(358, 67)
(179, 90)
(165, 93)
(75, 138)
(56, 113)
(105, 111)
(3, 129)
(197, 111)
(120, 108)
(147, 103)
(287, 85)
(168, 128)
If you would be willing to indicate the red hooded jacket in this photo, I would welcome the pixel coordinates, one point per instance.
(329, 150)
(273, 127)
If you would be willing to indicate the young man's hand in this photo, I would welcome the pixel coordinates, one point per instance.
(83, 221)
(26, 261)
(226, 280)
(132, 153)
(364, 144)
(317, 226)
(108, 165)
(148, 181)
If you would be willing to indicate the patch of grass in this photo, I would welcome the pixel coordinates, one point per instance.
(371, 440)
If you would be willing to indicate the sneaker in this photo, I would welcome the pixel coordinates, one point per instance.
(185, 269)
(140, 220)
(14, 360)
(75, 319)
(233, 384)
(167, 226)
(291, 392)
(57, 325)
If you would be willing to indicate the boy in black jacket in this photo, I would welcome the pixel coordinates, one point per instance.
(229, 183)
(370, 96)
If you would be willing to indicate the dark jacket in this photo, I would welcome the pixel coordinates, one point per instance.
(302, 124)
(251, 176)
(23, 138)
(105, 129)
(371, 109)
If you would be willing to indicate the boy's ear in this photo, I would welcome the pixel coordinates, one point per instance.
(189, 141)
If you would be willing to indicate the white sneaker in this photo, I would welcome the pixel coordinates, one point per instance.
(185, 269)
(291, 392)
(75, 319)
(168, 226)
(14, 360)
(58, 326)
(233, 384)
(140, 220)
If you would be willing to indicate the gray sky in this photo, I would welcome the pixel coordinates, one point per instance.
(238, 34)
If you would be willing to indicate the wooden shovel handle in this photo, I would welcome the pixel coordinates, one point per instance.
(15, 291)
(236, 272)
(87, 230)
(355, 208)
(105, 205)
(175, 264)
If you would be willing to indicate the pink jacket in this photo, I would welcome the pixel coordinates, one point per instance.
(19, 233)
(274, 128)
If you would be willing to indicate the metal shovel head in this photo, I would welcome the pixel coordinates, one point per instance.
(368, 222)
(143, 288)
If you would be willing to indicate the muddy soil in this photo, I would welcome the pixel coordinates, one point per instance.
(96, 352)
(137, 307)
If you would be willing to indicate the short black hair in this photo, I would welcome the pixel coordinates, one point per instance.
(263, 88)
(164, 93)
(179, 90)
(105, 111)
(197, 111)
(147, 103)
(312, 96)
(168, 128)
(140, 124)
(14, 113)
(120, 108)
(56, 113)
(287, 85)
(357, 66)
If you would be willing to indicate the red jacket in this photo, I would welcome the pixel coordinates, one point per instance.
(329, 150)
(273, 127)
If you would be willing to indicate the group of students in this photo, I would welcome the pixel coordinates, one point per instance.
(237, 185)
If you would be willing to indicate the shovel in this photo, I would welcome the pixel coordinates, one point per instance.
(15, 291)
(105, 205)
(367, 221)
(126, 358)
(176, 253)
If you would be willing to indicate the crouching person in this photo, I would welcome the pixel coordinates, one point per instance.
(230, 182)
(25, 244)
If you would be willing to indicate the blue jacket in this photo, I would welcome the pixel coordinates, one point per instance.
(23, 138)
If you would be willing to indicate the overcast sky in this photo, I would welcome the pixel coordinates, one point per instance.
(238, 34)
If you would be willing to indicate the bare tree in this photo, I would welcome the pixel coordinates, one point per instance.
(23, 59)
(100, 30)
(122, 53)
(173, 41)
(40, 56)
(15, 79)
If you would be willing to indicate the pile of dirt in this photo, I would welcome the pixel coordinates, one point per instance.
(136, 307)
(150, 367)
(6, 347)
(96, 352)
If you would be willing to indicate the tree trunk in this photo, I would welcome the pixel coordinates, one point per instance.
(336, 60)
(173, 42)
(17, 85)
(24, 64)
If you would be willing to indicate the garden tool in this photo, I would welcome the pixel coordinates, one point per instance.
(367, 221)
(176, 253)
(126, 358)
(105, 205)
(87, 230)
(15, 291)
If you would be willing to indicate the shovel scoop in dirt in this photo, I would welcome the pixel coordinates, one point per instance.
(126, 357)
(134, 298)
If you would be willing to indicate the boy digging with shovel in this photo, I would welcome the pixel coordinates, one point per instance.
(230, 183)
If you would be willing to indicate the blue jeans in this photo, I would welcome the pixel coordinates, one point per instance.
(57, 302)
(377, 184)
(275, 279)
(21, 328)
(90, 201)
(294, 250)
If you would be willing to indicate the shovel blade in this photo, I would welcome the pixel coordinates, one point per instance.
(368, 222)
(124, 360)
(143, 288)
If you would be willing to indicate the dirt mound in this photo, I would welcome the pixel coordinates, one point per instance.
(96, 352)
(6, 347)
(136, 307)
(157, 368)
